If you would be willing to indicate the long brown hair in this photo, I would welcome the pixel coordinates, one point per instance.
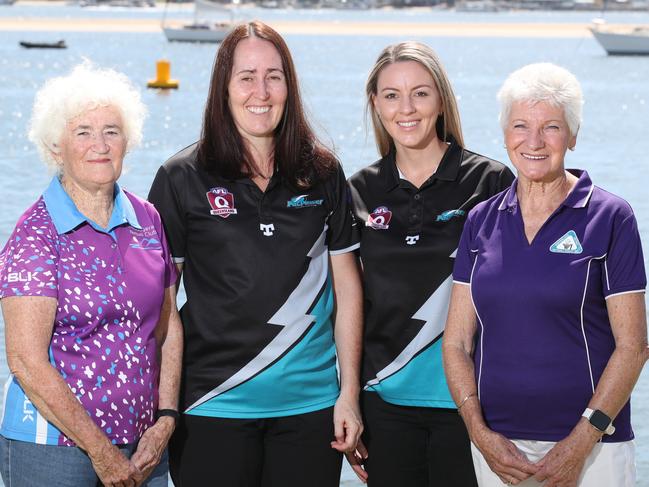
(448, 123)
(298, 155)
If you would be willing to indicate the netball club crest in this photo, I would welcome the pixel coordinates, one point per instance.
(379, 219)
(222, 202)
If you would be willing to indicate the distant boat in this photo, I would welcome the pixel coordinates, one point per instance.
(204, 27)
(117, 3)
(626, 40)
(44, 45)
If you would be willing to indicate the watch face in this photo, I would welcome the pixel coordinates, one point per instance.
(600, 420)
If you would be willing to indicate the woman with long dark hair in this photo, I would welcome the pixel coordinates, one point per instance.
(259, 225)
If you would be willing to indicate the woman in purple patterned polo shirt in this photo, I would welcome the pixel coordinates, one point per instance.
(547, 331)
(87, 289)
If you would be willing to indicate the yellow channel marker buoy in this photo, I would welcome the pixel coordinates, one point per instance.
(163, 72)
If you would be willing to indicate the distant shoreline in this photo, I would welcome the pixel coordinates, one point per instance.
(463, 29)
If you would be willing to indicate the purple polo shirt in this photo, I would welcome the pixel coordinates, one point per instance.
(544, 337)
(109, 285)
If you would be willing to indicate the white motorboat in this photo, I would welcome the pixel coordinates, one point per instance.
(204, 27)
(622, 40)
(198, 32)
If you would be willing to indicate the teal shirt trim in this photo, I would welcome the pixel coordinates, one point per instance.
(420, 383)
(302, 381)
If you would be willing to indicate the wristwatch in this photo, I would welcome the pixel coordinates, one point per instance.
(172, 413)
(599, 420)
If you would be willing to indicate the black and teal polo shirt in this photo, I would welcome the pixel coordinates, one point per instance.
(258, 317)
(409, 237)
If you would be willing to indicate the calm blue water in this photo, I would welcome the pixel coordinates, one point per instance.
(613, 144)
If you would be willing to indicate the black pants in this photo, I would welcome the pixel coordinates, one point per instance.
(291, 451)
(415, 446)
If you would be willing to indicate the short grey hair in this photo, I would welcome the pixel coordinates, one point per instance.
(543, 82)
(86, 87)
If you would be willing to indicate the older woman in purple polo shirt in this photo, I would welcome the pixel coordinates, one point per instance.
(546, 333)
(87, 289)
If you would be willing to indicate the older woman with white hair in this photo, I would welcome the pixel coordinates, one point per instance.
(87, 289)
(546, 334)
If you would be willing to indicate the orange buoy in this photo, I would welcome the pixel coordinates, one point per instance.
(163, 74)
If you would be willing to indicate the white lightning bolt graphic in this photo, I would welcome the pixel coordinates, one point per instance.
(433, 312)
(292, 316)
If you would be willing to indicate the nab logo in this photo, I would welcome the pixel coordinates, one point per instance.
(412, 239)
(449, 214)
(222, 202)
(379, 219)
(302, 202)
(22, 276)
(267, 230)
(568, 244)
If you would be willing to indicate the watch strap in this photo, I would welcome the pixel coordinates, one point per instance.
(172, 413)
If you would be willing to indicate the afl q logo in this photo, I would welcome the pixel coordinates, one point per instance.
(379, 219)
(222, 202)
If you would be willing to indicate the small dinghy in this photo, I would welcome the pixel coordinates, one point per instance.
(44, 45)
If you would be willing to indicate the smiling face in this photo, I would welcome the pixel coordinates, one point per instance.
(408, 104)
(92, 148)
(537, 138)
(257, 89)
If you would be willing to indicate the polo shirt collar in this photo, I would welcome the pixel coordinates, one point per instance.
(448, 170)
(577, 198)
(67, 217)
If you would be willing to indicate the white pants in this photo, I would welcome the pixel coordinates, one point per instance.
(608, 465)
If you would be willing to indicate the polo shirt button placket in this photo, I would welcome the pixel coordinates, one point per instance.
(266, 225)
(414, 220)
(114, 246)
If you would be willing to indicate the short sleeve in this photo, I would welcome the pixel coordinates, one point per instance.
(465, 257)
(342, 235)
(164, 197)
(624, 264)
(169, 266)
(29, 260)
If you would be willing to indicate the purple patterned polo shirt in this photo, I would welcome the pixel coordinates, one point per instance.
(109, 285)
(544, 336)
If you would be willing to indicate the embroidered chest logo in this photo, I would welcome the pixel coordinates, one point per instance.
(379, 219)
(146, 244)
(568, 244)
(222, 202)
(412, 239)
(302, 201)
(145, 239)
(449, 215)
(268, 229)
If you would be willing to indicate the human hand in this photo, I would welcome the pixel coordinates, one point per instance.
(113, 468)
(562, 465)
(151, 446)
(503, 457)
(356, 459)
(348, 425)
